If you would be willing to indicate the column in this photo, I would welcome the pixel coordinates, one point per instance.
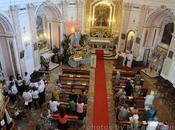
(14, 15)
(125, 22)
(33, 31)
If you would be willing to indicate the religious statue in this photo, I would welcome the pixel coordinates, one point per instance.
(130, 42)
(76, 39)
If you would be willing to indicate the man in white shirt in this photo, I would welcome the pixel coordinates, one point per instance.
(12, 92)
(26, 79)
(35, 97)
(27, 99)
(53, 105)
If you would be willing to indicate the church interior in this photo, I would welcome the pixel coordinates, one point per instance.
(87, 65)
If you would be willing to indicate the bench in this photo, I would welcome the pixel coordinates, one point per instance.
(74, 79)
(125, 73)
(74, 83)
(70, 86)
(66, 105)
(70, 118)
(75, 71)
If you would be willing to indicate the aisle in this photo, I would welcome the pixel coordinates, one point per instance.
(100, 114)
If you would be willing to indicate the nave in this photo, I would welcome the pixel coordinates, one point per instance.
(31, 118)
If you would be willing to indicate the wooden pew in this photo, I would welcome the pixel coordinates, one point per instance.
(64, 78)
(75, 83)
(78, 87)
(70, 118)
(123, 77)
(121, 80)
(66, 105)
(73, 75)
(125, 73)
(75, 71)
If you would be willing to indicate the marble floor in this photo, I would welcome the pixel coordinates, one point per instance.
(33, 116)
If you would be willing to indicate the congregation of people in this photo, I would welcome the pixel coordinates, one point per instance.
(23, 88)
(134, 106)
(61, 107)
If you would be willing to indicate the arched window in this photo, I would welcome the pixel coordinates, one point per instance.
(167, 34)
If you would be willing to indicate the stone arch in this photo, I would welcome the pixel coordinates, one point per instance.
(8, 50)
(130, 39)
(50, 17)
(155, 23)
(50, 6)
(7, 25)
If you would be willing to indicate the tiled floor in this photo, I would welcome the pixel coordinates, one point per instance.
(33, 116)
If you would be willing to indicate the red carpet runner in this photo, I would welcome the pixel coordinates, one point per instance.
(100, 115)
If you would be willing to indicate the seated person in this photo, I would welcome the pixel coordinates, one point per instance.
(122, 99)
(119, 93)
(150, 114)
(134, 110)
(134, 122)
(163, 126)
(123, 113)
(137, 78)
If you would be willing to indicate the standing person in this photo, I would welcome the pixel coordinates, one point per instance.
(149, 100)
(72, 105)
(13, 92)
(20, 84)
(41, 90)
(128, 88)
(27, 79)
(137, 79)
(130, 58)
(53, 105)
(80, 111)
(27, 96)
(35, 97)
(123, 54)
(117, 79)
(62, 119)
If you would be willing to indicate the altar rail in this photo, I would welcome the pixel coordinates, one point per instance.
(103, 43)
